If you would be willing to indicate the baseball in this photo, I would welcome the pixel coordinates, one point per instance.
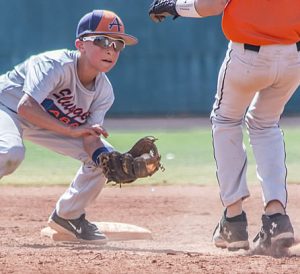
(146, 156)
(150, 167)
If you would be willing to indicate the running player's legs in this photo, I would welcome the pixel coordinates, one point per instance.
(241, 75)
(89, 180)
(12, 150)
(265, 134)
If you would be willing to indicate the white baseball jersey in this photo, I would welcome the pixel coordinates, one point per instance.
(51, 79)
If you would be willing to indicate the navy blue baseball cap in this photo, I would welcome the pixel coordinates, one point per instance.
(104, 22)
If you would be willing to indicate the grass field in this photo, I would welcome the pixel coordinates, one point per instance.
(186, 155)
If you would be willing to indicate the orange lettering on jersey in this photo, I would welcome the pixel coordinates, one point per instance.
(55, 113)
(74, 124)
(65, 120)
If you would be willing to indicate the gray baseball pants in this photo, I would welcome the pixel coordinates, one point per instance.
(89, 179)
(253, 86)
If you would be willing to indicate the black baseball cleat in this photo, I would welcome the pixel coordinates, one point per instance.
(232, 235)
(275, 237)
(81, 228)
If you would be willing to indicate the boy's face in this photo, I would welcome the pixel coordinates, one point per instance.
(100, 52)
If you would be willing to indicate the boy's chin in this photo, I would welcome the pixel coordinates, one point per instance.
(105, 70)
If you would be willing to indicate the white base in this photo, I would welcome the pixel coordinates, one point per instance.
(113, 231)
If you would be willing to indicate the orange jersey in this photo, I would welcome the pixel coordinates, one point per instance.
(262, 22)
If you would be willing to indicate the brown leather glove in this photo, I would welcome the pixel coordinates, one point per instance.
(142, 160)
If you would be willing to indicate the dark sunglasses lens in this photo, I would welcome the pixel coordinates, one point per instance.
(119, 45)
(101, 42)
(105, 43)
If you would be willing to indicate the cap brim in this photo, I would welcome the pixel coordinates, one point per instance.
(128, 39)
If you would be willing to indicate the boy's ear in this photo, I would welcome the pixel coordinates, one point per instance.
(79, 45)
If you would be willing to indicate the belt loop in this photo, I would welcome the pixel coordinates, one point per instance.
(298, 45)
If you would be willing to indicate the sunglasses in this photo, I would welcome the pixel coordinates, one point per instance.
(105, 42)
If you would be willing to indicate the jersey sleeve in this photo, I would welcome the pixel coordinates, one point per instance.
(101, 104)
(41, 78)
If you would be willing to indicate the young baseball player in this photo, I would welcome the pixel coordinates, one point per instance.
(58, 99)
(260, 73)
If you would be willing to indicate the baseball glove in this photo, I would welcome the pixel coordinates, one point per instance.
(142, 160)
(160, 9)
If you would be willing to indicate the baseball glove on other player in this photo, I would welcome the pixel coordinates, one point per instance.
(142, 160)
(160, 9)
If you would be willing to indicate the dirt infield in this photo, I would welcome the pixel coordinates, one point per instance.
(181, 219)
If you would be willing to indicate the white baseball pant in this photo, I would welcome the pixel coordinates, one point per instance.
(253, 86)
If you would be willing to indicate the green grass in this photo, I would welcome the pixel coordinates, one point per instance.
(186, 155)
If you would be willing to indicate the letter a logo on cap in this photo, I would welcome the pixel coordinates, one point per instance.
(115, 22)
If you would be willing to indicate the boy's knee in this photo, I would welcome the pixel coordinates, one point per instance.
(11, 159)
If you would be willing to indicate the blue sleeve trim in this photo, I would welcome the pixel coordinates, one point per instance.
(96, 154)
